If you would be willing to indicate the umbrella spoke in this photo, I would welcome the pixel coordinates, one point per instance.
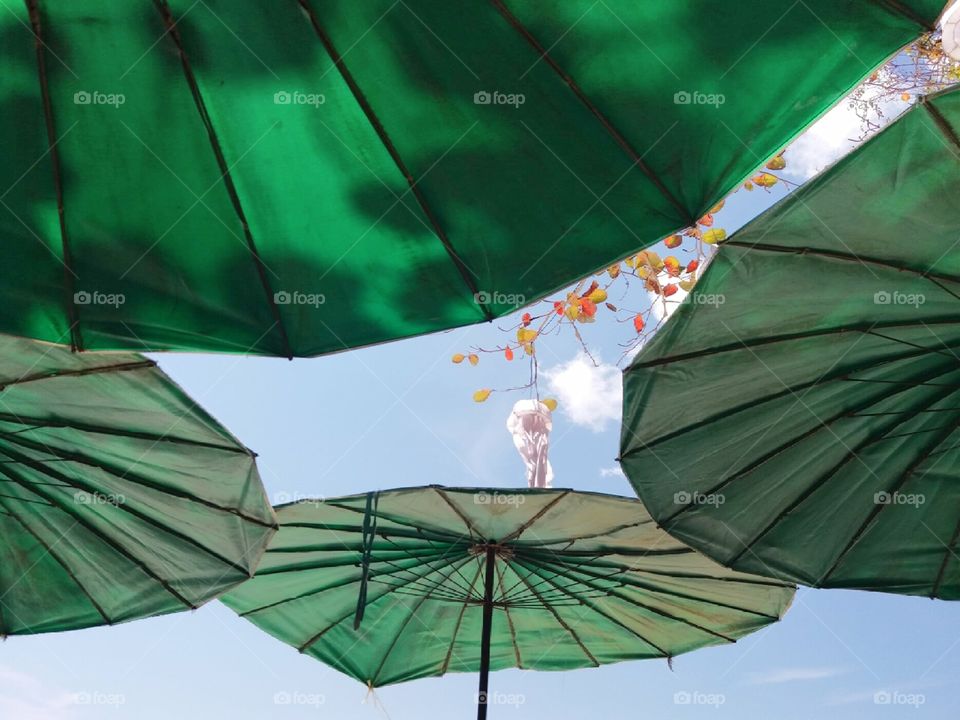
(849, 456)
(796, 440)
(125, 474)
(49, 550)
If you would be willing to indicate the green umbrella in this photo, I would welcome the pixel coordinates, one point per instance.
(403, 584)
(297, 177)
(119, 497)
(798, 416)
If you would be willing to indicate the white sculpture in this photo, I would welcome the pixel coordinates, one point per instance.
(530, 425)
(950, 25)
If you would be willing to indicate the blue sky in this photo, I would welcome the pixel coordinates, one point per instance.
(400, 415)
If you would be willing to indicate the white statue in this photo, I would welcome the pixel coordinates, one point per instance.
(530, 425)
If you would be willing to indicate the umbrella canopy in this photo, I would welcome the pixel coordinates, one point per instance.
(299, 177)
(119, 497)
(798, 416)
(403, 584)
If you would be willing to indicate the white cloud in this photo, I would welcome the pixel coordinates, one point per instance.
(785, 675)
(614, 471)
(831, 137)
(24, 697)
(590, 396)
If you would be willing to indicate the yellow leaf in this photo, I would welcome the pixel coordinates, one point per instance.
(526, 336)
(473, 359)
(613, 271)
(718, 207)
(712, 237)
(481, 395)
(598, 296)
(765, 180)
(776, 163)
(572, 311)
(458, 358)
(528, 348)
(687, 285)
(551, 404)
(748, 186)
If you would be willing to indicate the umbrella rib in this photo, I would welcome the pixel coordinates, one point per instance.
(50, 551)
(119, 367)
(744, 580)
(441, 533)
(636, 159)
(844, 257)
(822, 380)
(614, 619)
(943, 125)
(123, 475)
(530, 522)
(501, 572)
(405, 623)
(467, 587)
(901, 481)
(474, 533)
(384, 137)
(895, 7)
(40, 424)
(623, 581)
(663, 613)
(947, 554)
(797, 440)
(309, 593)
(456, 628)
(392, 532)
(748, 343)
(556, 616)
(825, 478)
(117, 547)
(353, 610)
(50, 472)
(174, 32)
(69, 276)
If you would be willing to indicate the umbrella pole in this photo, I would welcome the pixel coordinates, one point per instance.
(485, 637)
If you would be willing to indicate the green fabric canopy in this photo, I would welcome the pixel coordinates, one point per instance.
(798, 416)
(392, 586)
(296, 177)
(119, 498)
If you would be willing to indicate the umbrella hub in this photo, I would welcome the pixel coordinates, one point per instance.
(504, 552)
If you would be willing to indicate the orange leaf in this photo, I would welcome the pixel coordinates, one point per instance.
(474, 359)
(638, 323)
(508, 354)
(457, 359)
